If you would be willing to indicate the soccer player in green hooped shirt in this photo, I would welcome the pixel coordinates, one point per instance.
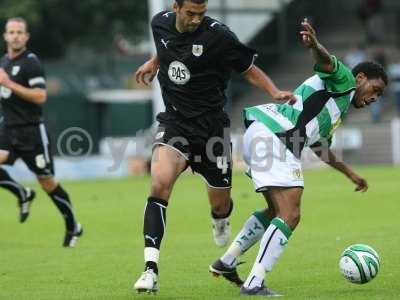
(273, 142)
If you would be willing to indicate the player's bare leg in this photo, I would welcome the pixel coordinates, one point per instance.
(221, 208)
(251, 232)
(286, 202)
(166, 166)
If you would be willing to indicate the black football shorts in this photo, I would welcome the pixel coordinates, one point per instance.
(204, 141)
(31, 143)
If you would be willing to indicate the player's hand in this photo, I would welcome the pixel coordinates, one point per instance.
(146, 73)
(308, 35)
(4, 78)
(361, 183)
(285, 96)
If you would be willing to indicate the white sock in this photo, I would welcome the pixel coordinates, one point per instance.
(219, 222)
(151, 254)
(272, 245)
(250, 234)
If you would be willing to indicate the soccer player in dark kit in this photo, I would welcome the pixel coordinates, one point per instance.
(195, 58)
(23, 133)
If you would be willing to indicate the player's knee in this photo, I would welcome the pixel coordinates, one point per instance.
(4, 156)
(269, 212)
(161, 189)
(48, 184)
(222, 207)
(294, 219)
(291, 218)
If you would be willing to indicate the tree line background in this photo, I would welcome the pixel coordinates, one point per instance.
(57, 25)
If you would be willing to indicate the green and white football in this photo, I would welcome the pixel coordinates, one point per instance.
(359, 263)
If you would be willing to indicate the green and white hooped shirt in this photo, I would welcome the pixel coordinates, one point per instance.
(323, 101)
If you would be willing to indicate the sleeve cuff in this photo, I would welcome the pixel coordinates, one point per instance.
(318, 69)
(251, 65)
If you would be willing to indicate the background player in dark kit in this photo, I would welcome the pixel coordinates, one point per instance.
(23, 133)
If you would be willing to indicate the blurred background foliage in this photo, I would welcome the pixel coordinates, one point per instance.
(58, 25)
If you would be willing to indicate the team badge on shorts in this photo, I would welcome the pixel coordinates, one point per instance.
(197, 50)
(40, 161)
(159, 135)
(297, 174)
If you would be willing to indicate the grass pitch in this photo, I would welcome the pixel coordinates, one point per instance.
(109, 257)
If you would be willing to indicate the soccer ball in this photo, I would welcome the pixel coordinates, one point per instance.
(359, 263)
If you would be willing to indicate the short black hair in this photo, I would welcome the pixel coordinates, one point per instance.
(372, 70)
(19, 20)
(180, 2)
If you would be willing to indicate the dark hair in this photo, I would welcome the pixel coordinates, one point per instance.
(372, 70)
(180, 2)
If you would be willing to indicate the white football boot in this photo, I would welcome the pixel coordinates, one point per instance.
(147, 282)
(221, 231)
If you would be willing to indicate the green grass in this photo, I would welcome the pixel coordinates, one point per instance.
(109, 257)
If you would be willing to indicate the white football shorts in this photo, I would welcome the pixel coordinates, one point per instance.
(270, 163)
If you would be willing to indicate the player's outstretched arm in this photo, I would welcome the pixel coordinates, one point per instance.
(33, 95)
(334, 162)
(320, 54)
(146, 72)
(259, 79)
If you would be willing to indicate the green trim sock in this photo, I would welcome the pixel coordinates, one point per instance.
(272, 244)
(250, 234)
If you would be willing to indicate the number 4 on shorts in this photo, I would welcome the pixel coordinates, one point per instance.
(222, 164)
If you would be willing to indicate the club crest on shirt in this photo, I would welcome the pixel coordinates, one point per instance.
(5, 93)
(197, 50)
(15, 70)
